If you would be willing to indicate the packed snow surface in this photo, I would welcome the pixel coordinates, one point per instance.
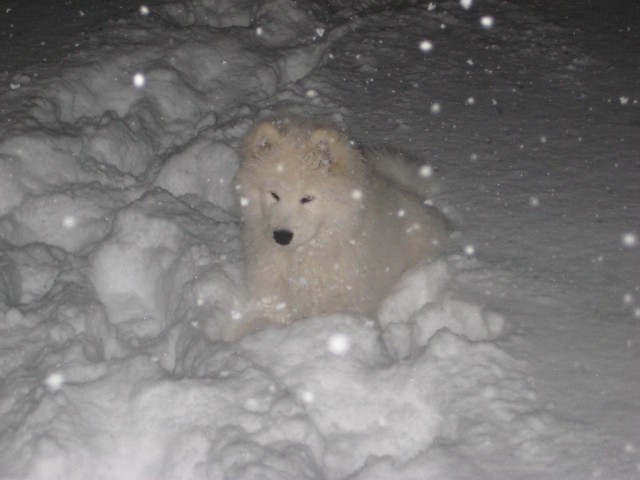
(512, 356)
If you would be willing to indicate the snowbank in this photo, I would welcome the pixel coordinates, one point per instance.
(120, 285)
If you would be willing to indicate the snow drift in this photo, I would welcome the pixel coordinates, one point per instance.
(120, 279)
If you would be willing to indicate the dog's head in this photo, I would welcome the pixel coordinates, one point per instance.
(297, 180)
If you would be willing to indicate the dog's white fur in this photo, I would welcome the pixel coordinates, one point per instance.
(356, 226)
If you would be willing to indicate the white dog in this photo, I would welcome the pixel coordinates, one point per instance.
(326, 229)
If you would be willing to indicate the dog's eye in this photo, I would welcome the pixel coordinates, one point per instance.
(306, 199)
(275, 196)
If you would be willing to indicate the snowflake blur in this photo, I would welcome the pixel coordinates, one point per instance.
(139, 80)
(339, 344)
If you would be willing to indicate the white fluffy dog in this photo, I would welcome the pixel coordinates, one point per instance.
(325, 228)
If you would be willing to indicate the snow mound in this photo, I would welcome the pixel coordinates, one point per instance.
(203, 169)
(355, 404)
(126, 350)
(421, 305)
(73, 219)
(276, 22)
(323, 397)
(158, 254)
(210, 12)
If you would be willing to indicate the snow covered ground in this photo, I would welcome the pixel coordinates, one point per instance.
(513, 356)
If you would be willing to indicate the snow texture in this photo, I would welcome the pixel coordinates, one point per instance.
(512, 356)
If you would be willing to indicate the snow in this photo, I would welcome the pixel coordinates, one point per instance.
(486, 21)
(629, 239)
(426, 46)
(128, 350)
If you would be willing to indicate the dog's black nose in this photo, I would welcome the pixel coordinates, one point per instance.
(282, 237)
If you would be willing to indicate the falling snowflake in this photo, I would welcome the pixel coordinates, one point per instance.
(469, 250)
(252, 404)
(356, 194)
(69, 222)
(307, 396)
(486, 21)
(466, 4)
(139, 80)
(339, 344)
(435, 108)
(244, 202)
(534, 201)
(629, 239)
(426, 171)
(144, 10)
(426, 46)
(54, 381)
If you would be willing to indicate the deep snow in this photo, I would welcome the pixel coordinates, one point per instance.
(512, 356)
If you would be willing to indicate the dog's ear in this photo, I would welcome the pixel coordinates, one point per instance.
(263, 136)
(325, 143)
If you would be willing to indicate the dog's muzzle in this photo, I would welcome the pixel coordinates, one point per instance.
(283, 237)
